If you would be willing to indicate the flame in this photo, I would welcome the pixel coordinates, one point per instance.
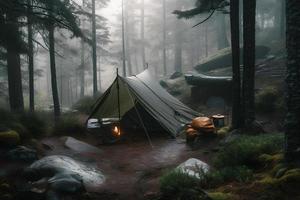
(117, 131)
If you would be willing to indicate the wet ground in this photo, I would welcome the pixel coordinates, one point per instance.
(132, 169)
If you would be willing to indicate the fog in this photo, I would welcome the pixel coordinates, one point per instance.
(185, 45)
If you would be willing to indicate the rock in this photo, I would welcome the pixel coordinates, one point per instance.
(194, 167)
(9, 138)
(55, 166)
(66, 182)
(22, 153)
(80, 146)
(176, 75)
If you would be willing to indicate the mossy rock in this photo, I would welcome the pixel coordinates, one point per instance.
(9, 138)
(223, 132)
(21, 129)
(220, 196)
(288, 184)
(272, 160)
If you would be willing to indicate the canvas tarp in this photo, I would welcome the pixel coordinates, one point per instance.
(168, 111)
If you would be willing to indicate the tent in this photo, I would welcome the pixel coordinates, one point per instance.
(142, 99)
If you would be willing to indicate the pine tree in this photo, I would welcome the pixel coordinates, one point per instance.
(292, 148)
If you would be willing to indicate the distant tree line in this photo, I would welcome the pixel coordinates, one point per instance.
(22, 20)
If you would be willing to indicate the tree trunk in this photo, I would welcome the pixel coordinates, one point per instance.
(123, 41)
(99, 72)
(221, 31)
(236, 79)
(30, 59)
(143, 33)
(292, 151)
(53, 73)
(206, 39)
(14, 70)
(249, 8)
(127, 41)
(94, 47)
(164, 39)
(14, 80)
(82, 70)
(282, 19)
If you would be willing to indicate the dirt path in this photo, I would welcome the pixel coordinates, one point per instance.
(132, 169)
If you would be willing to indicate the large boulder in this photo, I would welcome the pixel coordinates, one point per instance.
(9, 138)
(223, 58)
(79, 146)
(66, 182)
(51, 166)
(194, 167)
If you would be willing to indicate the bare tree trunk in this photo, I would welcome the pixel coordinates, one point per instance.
(94, 46)
(164, 38)
(82, 70)
(99, 72)
(14, 70)
(235, 45)
(292, 125)
(123, 41)
(127, 41)
(143, 33)
(206, 39)
(53, 73)
(14, 80)
(249, 8)
(282, 19)
(221, 31)
(30, 58)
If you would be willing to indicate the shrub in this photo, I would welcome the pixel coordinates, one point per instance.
(84, 105)
(217, 177)
(179, 185)
(27, 124)
(33, 123)
(245, 150)
(267, 99)
(68, 125)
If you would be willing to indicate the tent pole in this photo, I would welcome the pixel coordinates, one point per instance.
(141, 120)
(118, 88)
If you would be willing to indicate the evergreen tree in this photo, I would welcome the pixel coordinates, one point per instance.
(292, 150)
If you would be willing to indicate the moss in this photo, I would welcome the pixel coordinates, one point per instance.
(223, 132)
(277, 188)
(220, 196)
(245, 150)
(271, 160)
(9, 138)
(267, 99)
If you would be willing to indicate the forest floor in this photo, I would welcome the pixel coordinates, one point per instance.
(132, 170)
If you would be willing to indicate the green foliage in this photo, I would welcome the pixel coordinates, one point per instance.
(267, 99)
(84, 105)
(28, 124)
(33, 123)
(179, 185)
(246, 150)
(223, 132)
(68, 125)
(217, 177)
(220, 196)
(9, 138)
